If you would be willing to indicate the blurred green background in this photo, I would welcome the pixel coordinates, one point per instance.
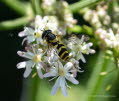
(92, 86)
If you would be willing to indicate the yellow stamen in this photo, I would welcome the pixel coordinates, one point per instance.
(62, 71)
(37, 35)
(37, 58)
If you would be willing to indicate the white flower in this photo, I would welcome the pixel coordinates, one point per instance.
(97, 18)
(47, 22)
(31, 35)
(62, 73)
(41, 24)
(79, 47)
(109, 38)
(69, 21)
(34, 61)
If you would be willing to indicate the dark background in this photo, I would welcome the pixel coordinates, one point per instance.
(11, 78)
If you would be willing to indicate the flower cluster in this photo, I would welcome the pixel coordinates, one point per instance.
(60, 9)
(108, 38)
(98, 18)
(44, 57)
(106, 26)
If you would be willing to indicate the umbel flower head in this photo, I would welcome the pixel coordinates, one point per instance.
(43, 55)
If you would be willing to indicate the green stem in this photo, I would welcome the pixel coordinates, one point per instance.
(36, 5)
(20, 7)
(11, 24)
(83, 3)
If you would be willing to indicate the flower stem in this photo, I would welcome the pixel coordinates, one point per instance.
(11, 24)
(83, 3)
(36, 5)
(20, 7)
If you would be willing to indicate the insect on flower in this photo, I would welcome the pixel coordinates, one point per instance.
(53, 41)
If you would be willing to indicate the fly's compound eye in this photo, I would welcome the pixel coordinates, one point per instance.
(46, 34)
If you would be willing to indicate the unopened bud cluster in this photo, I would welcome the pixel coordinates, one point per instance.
(106, 26)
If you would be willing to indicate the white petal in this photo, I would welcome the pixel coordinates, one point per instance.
(28, 55)
(20, 53)
(21, 34)
(38, 20)
(64, 91)
(80, 56)
(40, 74)
(49, 74)
(27, 72)
(83, 59)
(28, 68)
(53, 72)
(71, 79)
(92, 51)
(89, 44)
(29, 31)
(21, 65)
(68, 66)
(60, 64)
(55, 87)
(63, 86)
(30, 39)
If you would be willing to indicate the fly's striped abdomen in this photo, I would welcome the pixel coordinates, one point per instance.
(54, 42)
(62, 52)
